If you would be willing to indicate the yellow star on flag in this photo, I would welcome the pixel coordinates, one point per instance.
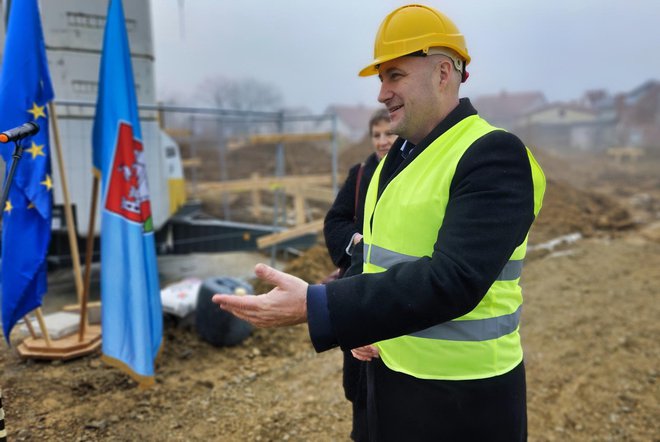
(47, 182)
(8, 206)
(37, 111)
(36, 150)
(31, 206)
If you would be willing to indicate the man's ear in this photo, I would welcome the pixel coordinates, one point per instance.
(442, 72)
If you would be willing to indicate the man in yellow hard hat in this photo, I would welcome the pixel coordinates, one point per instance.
(446, 219)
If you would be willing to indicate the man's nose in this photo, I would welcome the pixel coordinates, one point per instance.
(385, 93)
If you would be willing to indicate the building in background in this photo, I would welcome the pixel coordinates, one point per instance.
(504, 109)
(639, 121)
(560, 126)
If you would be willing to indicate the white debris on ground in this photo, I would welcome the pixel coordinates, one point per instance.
(180, 298)
(555, 242)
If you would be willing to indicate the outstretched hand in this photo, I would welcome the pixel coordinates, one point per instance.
(286, 304)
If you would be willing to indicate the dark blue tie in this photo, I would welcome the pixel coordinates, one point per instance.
(407, 148)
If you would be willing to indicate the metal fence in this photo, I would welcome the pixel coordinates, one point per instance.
(213, 140)
(238, 165)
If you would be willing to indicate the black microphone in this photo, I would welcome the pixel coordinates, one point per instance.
(20, 132)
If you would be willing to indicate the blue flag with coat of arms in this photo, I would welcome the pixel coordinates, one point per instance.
(25, 90)
(131, 311)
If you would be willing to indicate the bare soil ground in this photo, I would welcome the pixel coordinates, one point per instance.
(590, 331)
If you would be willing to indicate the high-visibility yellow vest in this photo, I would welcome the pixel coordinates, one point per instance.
(402, 225)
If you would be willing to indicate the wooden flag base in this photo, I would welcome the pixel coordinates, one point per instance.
(68, 347)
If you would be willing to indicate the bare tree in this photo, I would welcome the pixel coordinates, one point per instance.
(246, 94)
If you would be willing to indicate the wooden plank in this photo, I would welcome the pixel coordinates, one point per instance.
(294, 232)
(256, 198)
(265, 183)
(177, 132)
(299, 208)
(191, 162)
(289, 138)
(315, 193)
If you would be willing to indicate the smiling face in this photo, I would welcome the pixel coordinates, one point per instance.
(382, 138)
(417, 94)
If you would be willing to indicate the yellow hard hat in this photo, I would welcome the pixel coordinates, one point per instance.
(411, 29)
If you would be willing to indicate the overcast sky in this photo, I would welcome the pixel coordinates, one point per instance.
(311, 50)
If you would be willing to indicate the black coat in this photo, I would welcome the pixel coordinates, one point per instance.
(343, 220)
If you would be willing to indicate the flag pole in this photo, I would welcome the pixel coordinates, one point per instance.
(88, 259)
(42, 326)
(28, 324)
(68, 213)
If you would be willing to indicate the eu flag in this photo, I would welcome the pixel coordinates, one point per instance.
(131, 312)
(25, 90)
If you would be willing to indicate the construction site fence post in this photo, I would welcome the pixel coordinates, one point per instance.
(278, 203)
(222, 152)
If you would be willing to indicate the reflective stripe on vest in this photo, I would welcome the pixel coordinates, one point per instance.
(473, 329)
(387, 258)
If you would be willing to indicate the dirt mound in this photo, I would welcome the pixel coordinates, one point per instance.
(353, 154)
(567, 209)
(312, 266)
(299, 159)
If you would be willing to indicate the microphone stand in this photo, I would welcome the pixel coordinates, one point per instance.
(18, 153)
